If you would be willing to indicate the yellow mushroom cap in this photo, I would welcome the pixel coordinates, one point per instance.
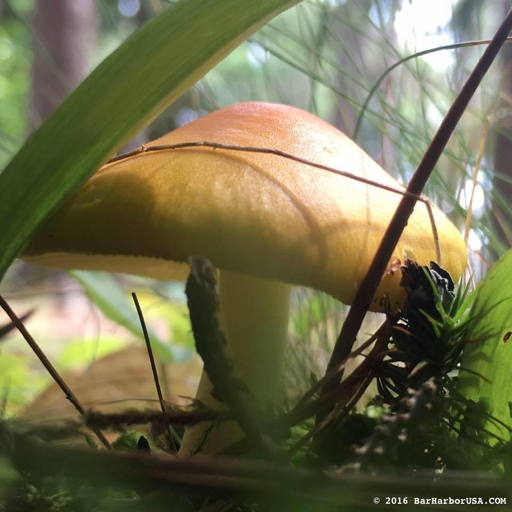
(253, 213)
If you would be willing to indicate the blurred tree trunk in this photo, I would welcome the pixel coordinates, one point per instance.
(502, 188)
(349, 24)
(65, 37)
(502, 132)
(354, 27)
(64, 40)
(466, 23)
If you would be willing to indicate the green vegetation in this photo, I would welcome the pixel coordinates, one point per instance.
(425, 411)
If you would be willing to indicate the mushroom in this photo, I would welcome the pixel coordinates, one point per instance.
(265, 221)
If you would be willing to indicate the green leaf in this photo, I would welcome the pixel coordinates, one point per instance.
(106, 293)
(15, 384)
(82, 351)
(128, 440)
(490, 353)
(124, 93)
(179, 326)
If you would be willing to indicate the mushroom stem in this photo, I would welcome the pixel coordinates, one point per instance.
(254, 319)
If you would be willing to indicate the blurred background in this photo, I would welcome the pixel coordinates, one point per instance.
(325, 56)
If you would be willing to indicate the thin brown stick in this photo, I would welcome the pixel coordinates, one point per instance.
(298, 412)
(6, 329)
(336, 414)
(283, 154)
(49, 367)
(156, 379)
(340, 400)
(150, 351)
(368, 287)
(177, 417)
(362, 381)
(268, 151)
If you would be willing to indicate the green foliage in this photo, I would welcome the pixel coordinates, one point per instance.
(488, 355)
(314, 310)
(128, 89)
(14, 86)
(428, 334)
(419, 426)
(423, 423)
(106, 293)
(83, 350)
(128, 440)
(419, 419)
(15, 384)
(179, 327)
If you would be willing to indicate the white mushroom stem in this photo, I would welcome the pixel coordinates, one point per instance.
(254, 320)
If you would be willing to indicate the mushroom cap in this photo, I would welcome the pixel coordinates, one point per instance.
(253, 213)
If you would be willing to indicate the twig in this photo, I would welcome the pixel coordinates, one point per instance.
(115, 420)
(150, 352)
(357, 384)
(49, 367)
(305, 407)
(6, 329)
(268, 151)
(170, 436)
(371, 281)
(210, 343)
(283, 154)
(341, 400)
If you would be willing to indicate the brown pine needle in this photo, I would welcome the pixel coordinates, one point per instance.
(49, 367)
(156, 379)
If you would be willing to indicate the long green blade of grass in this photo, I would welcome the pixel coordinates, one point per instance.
(128, 89)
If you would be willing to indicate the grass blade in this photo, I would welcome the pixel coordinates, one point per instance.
(128, 89)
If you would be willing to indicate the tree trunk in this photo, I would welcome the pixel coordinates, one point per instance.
(502, 190)
(65, 34)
